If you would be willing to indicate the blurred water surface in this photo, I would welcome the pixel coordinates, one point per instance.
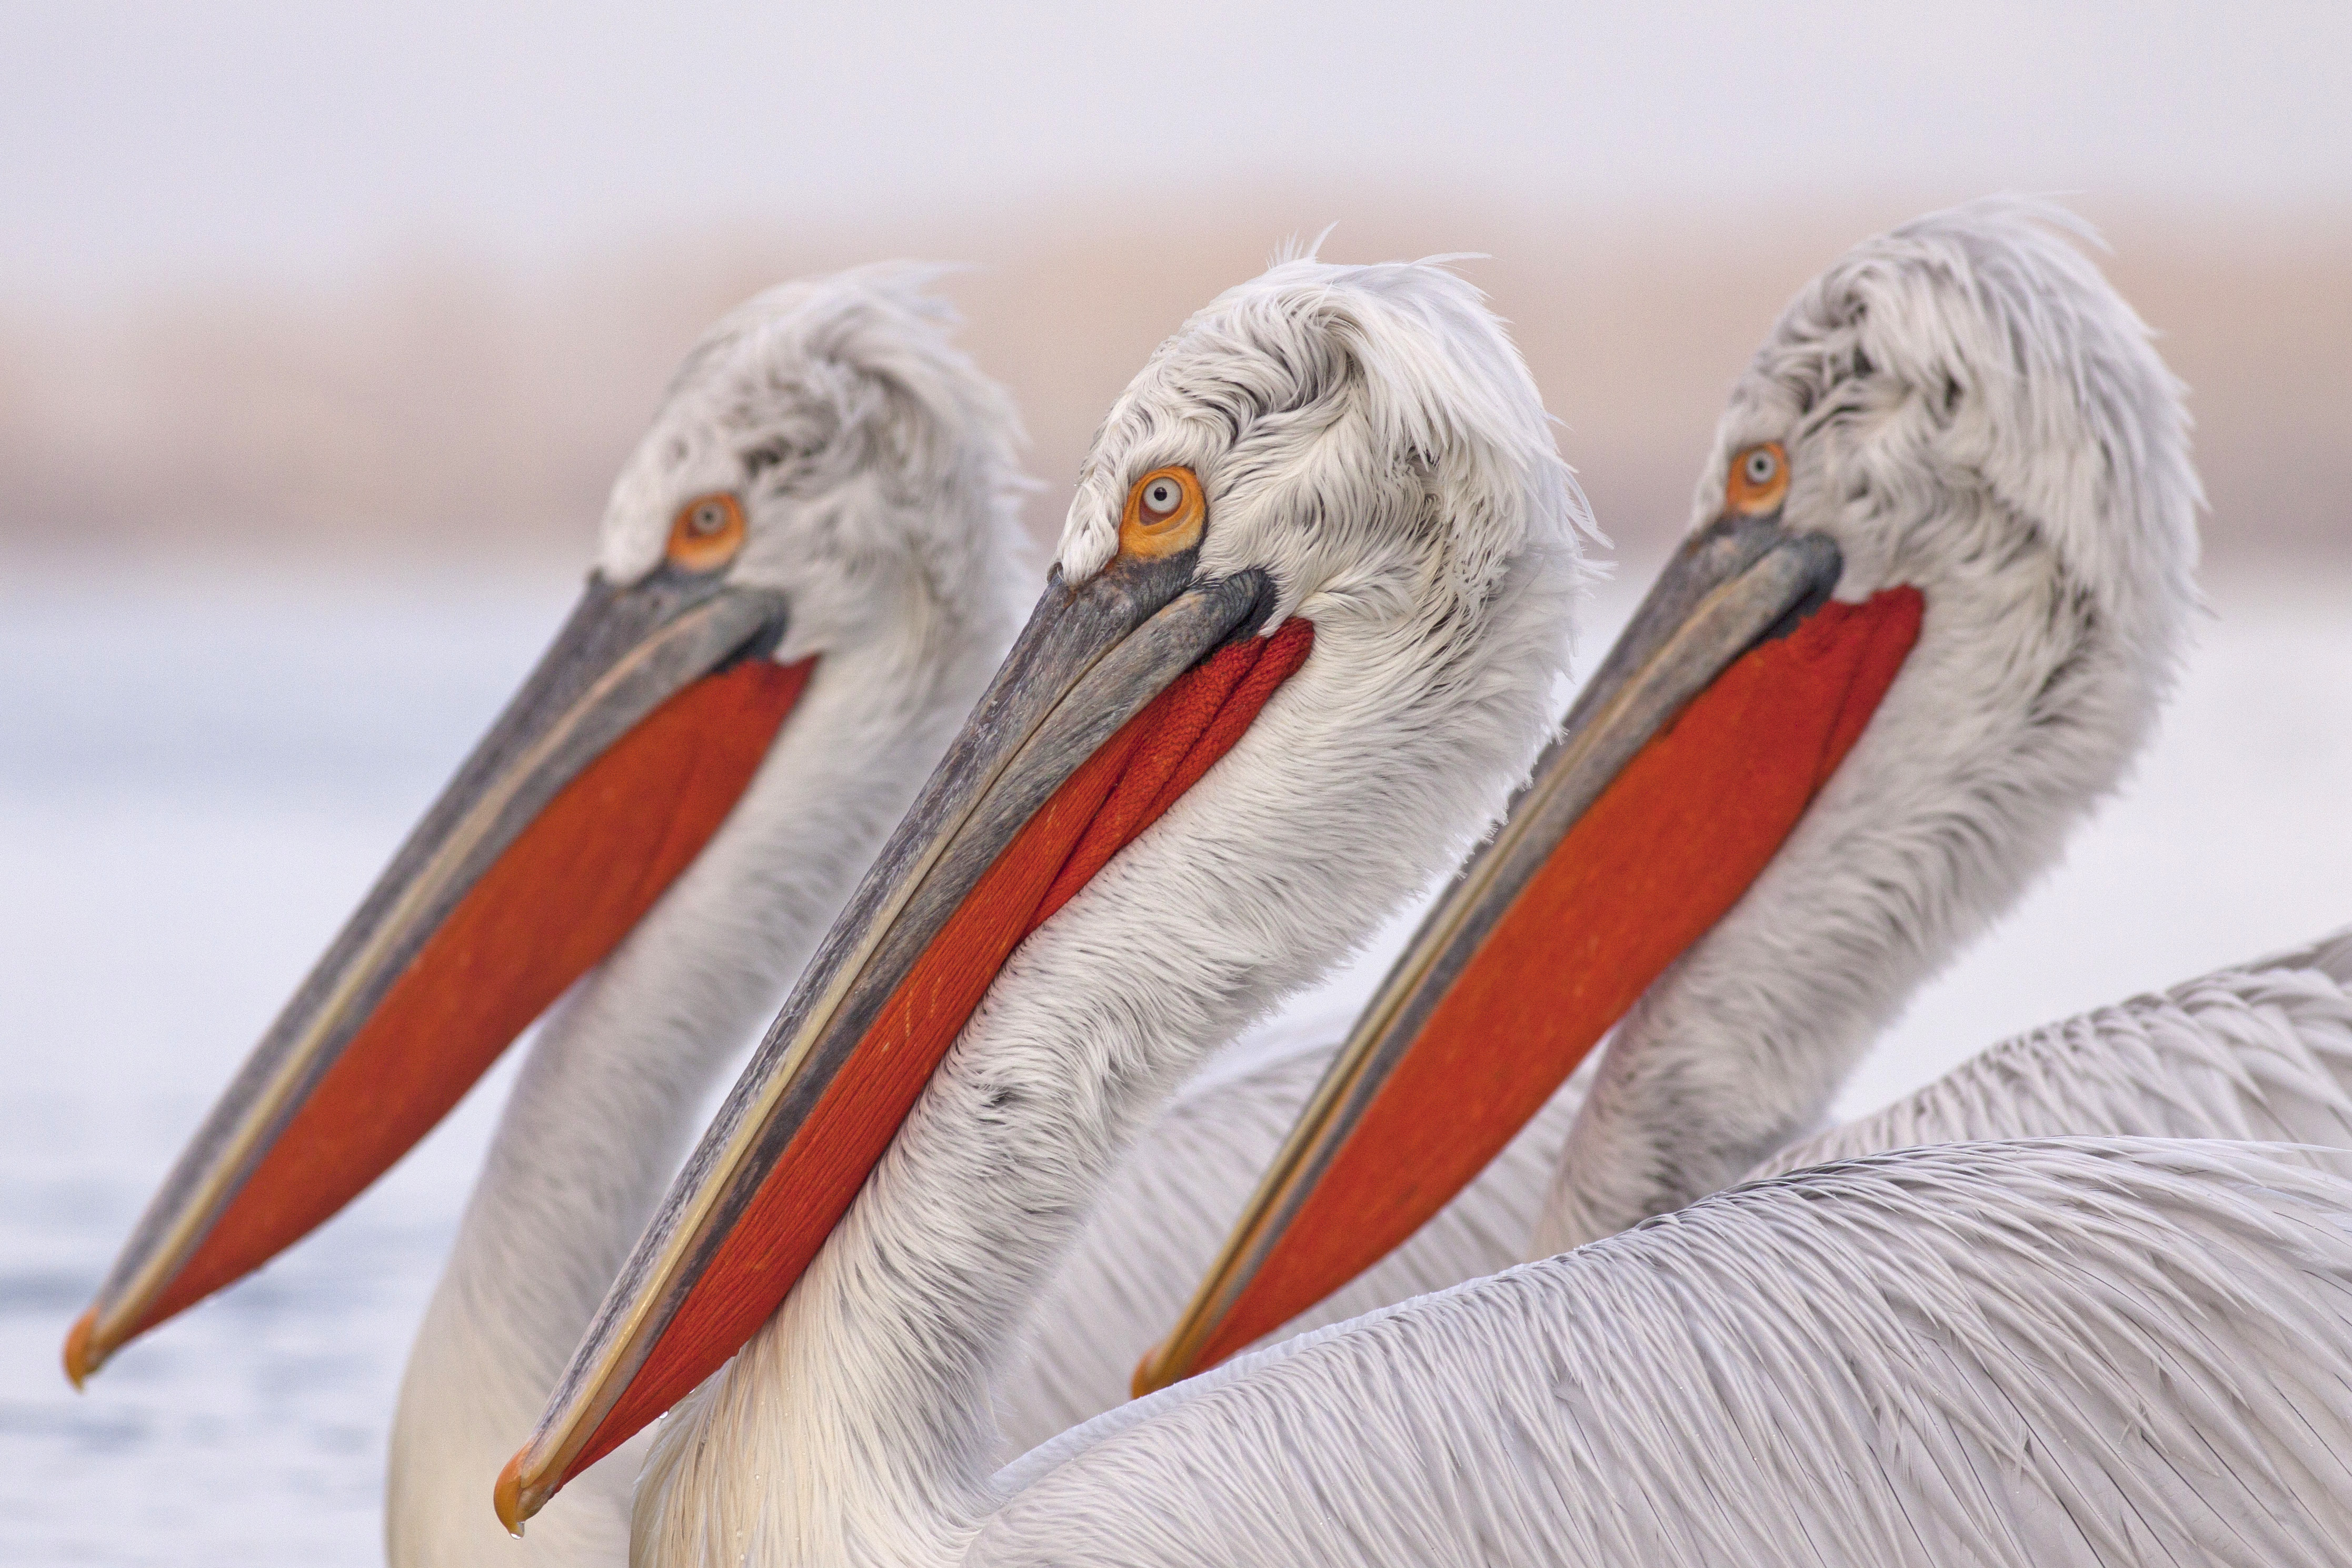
(198, 777)
(200, 773)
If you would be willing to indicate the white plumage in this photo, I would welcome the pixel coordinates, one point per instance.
(2024, 1354)
(2258, 1052)
(2144, 1273)
(1161, 1214)
(2261, 1051)
(876, 469)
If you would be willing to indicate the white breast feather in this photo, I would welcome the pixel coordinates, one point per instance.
(1152, 1234)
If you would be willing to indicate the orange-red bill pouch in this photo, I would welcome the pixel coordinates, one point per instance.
(626, 749)
(1119, 694)
(1733, 695)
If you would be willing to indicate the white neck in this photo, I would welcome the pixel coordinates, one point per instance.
(857, 1424)
(2018, 708)
(615, 1082)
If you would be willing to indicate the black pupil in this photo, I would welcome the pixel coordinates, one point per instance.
(1760, 466)
(706, 519)
(1162, 496)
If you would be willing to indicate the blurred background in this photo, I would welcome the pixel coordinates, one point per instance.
(323, 329)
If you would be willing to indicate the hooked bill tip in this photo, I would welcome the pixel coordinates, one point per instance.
(508, 1498)
(80, 1360)
(1150, 1372)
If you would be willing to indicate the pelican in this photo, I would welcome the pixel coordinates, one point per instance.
(1301, 637)
(1958, 442)
(806, 571)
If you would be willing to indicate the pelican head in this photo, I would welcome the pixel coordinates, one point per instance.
(869, 462)
(1325, 537)
(1964, 401)
(1938, 582)
(802, 571)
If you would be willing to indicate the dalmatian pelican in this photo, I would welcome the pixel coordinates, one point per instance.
(806, 571)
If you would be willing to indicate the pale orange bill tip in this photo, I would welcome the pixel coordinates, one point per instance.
(78, 1365)
(507, 1497)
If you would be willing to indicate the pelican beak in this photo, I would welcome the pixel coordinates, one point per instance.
(598, 785)
(1117, 698)
(1730, 699)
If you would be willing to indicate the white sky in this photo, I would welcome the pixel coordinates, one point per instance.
(146, 143)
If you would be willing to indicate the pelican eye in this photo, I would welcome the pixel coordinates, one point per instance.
(1165, 513)
(707, 532)
(1758, 481)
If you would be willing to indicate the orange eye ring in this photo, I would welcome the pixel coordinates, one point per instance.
(707, 532)
(1758, 481)
(1165, 513)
